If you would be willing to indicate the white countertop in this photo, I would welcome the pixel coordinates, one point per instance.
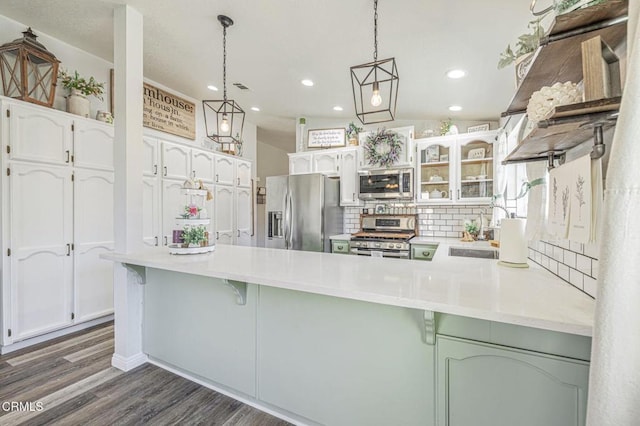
(477, 288)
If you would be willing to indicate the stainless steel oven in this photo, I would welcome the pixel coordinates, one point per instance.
(384, 236)
(386, 184)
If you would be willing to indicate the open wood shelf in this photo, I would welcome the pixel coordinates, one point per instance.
(562, 132)
(561, 60)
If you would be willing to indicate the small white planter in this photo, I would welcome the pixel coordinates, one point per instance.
(78, 104)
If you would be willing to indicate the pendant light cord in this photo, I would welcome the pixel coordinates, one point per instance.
(224, 61)
(375, 30)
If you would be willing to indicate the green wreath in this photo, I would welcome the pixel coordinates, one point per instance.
(383, 148)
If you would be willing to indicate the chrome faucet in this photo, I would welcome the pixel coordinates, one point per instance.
(483, 211)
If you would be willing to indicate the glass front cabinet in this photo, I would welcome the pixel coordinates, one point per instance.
(455, 169)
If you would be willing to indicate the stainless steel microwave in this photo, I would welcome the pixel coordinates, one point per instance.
(386, 184)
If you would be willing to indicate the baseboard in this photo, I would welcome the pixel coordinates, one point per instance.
(128, 363)
(274, 411)
(52, 335)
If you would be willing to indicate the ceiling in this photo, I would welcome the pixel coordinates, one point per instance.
(275, 44)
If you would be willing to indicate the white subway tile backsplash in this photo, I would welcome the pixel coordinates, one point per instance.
(439, 211)
(553, 266)
(590, 286)
(440, 234)
(537, 257)
(545, 262)
(576, 278)
(446, 216)
(576, 247)
(549, 250)
(564, 244)
(453, 234)
(453, 211)
(440, 222)
(570, 258)
(563, 271)
(595, 268)
(446, 228)
(592, 250)
(583, 264)
(558, 254)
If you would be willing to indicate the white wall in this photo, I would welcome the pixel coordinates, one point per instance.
(273, 162)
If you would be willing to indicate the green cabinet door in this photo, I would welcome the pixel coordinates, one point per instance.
(482, 384)
(340, 246)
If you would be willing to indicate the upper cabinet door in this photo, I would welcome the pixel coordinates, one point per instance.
(300, 163)
(327, 163)
(475, 167)
(176, 161)
(202, 165)
(150, 157)
(225, 170)
(93, 145)
(349, 182)
(243, 173)
(36, 134)
(435, 173)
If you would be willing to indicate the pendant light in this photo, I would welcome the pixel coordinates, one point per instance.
(224, 119)
(375, 84)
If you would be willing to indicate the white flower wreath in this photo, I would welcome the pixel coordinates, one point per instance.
(383, 148)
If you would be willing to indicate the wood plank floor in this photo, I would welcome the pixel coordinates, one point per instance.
(73, 379)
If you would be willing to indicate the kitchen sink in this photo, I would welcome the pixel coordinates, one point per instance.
(483, 253)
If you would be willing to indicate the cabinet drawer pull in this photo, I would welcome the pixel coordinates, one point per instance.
(156, 237)
(165, 170)
(353, 198)
(155, 169)
(216, 177)
(165, 240)
(340, 247)
(68, 249)
(238, 233)
(68, 154)
(217, 235)
(238, 181)
(426, 253)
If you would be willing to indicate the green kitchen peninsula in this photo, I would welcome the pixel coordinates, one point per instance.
(316, 338)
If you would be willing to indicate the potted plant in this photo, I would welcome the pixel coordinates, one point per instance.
(525, 46)
(194, 236)
(352, 133)
(79, 88)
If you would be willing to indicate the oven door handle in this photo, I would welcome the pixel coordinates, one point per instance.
(385, 254)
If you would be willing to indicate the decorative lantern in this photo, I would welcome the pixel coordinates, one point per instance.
(224, 118)
(375, 84)
(29, 71)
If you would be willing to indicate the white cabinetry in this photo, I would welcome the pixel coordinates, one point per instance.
(341, 162)
(57, 217)
(455, 169)
(233, 201)
(300, 163)
(229, 178)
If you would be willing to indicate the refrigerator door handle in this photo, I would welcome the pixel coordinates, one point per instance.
(286, 220)
(290, 221)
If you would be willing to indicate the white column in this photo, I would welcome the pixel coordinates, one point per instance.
(127, 291)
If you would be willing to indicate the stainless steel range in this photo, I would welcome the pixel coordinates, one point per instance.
(384, 235)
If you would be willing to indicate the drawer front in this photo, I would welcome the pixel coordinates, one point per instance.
(422, 252)
(340, 246)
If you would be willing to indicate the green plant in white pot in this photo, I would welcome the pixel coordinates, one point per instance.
(527, 43)
(194, 236)
(79, 88)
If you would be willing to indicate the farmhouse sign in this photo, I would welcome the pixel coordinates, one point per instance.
(168, 113)
(324, 138)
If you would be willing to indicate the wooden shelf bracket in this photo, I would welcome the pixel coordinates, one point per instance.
(137, 271)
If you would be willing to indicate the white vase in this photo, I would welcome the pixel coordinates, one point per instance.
(78, 104)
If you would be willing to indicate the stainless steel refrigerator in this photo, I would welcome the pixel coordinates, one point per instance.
(303, 211)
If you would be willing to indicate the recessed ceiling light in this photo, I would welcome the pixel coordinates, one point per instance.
(255, 109)
(212, 87)
(455, 108)
(307, 82)
(456, 73)
(337, 108)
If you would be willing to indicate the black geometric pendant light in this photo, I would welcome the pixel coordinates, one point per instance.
(224, 119)
(375, 84)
